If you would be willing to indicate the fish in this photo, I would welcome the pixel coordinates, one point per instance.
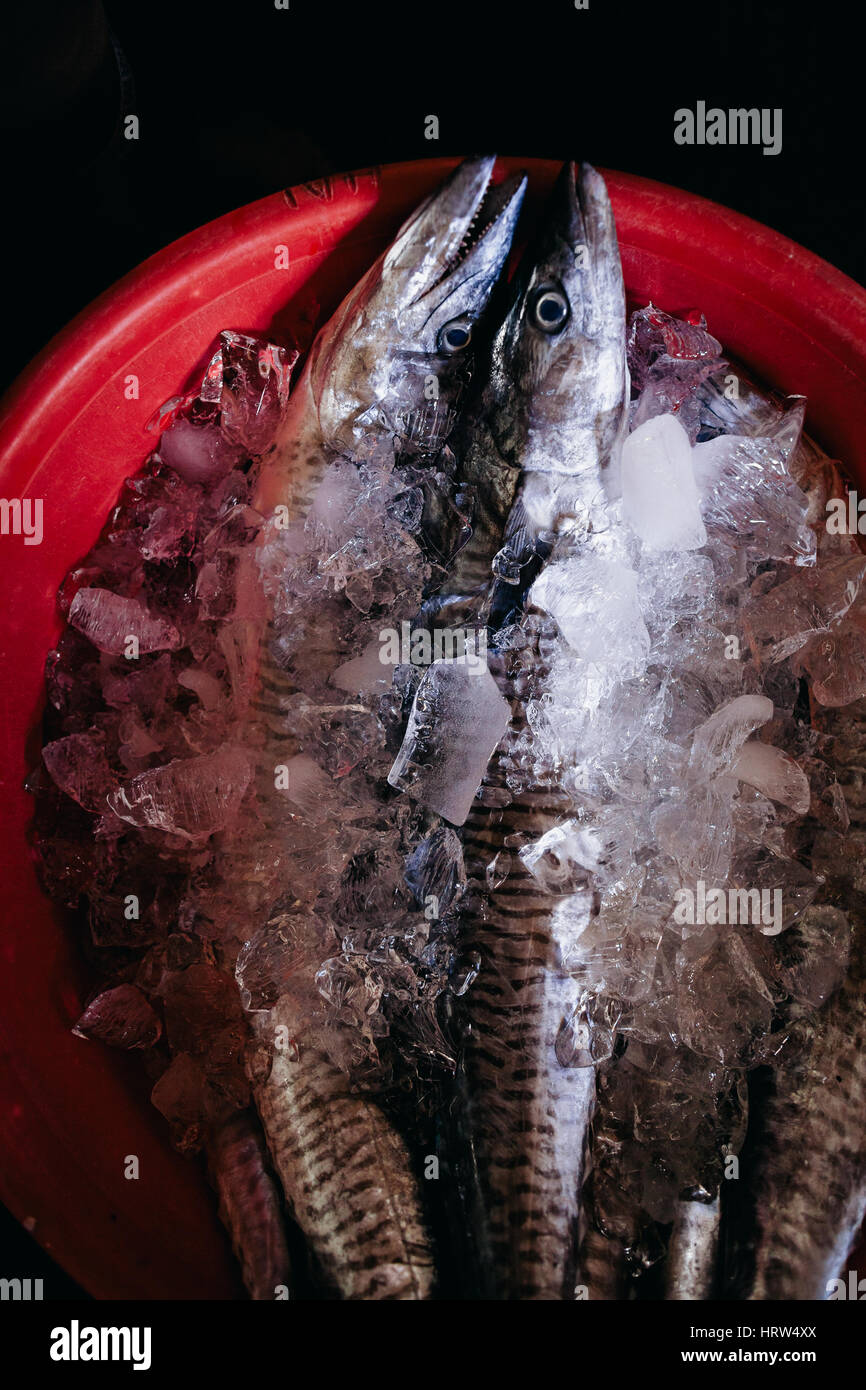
(556, 413)
(389, 371)
(412, 319)
(691, 1263)
(804, 1175)
(250, 1206)
(791, 1220)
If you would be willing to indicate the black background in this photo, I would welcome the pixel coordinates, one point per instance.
(237, 100)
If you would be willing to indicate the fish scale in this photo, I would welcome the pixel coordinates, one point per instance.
(554, 411)
(808, 1177)
(345, 1171)
(348, 1179)
(527, 1113)
(250, 1207)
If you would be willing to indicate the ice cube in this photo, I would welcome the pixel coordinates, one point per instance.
(457, 719)
(815, 954)
(562, 859)
(120, 1017)
(289, 948)
(717, 741)
(192, 797)
(781, 620)
(658, 339)
(78, 766)
(367, 673)
(836, 663)
(198, 452)
(110, 620)
(435, 870)
(307, 787)
(748, 496)
(594, 603)
(659, 497)
(255, 389)
(773, 772)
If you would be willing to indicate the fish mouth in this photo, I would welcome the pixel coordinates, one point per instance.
(462, 235)
(491, 220)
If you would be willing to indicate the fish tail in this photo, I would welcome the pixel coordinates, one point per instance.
(348, 1180)
(250, 1206)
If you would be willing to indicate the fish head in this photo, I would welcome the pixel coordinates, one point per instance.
(558, 385)
(397, 355)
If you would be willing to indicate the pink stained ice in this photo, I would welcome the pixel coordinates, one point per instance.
(120, 1017)
(193, 798)
(669, 358)
(199, 453)
(110, 621)
(254, 390)
(780, 621)
(78, 766)
(653, 334)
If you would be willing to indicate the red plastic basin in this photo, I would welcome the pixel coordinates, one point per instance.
(72, 1110)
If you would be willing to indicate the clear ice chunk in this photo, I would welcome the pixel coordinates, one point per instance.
(749, 498)
(78, 766)
(307, 787)
(659, 497)
(291, 946)
(192, 797)
(120, 1017)
(718, 740)
(815, 955)
(594, 603)
(110, 621)
(563, 858)
(836, 663)
(783, 619)
(435, 871)
(775, 773)
(457, 720)
(365, 674)
(255, 389)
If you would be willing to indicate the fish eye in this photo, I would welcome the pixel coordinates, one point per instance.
(455, 336)
(550, 310)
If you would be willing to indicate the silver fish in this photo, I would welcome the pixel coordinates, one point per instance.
(344, 1169)
(556, 412)
(410, 318)
(691, 1263)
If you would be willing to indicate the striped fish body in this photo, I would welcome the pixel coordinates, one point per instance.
(348, 1181)
(525, 1113)
(528, 1115)
(345, 1172)
(250, 1206)
(808, 1176)
(555, 411)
